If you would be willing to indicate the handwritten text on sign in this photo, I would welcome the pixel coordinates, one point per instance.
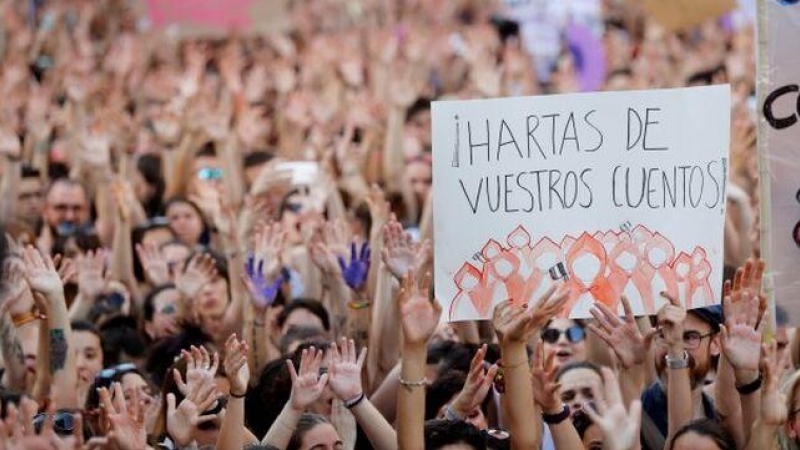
(611, 193)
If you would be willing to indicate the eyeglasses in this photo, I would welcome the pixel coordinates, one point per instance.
(691, 339)
(63, 421)
(574, 334)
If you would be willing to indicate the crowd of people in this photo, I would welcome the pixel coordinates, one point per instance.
(203, 236)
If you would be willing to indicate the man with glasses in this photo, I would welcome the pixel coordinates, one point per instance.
(701, 342)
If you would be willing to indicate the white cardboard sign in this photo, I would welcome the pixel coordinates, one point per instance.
(611, 193)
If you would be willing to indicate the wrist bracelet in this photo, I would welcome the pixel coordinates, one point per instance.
(353, 402)
(412, 384)
(243, 395)
(356, 305)
(677, 363)
(750, 387)
(21, 319)
(555, 419)
(504, 366)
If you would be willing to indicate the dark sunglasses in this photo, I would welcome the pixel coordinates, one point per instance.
(63, 422)
(574, 334)
(294, 207)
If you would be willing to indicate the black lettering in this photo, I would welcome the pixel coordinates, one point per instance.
(628, 188)
(538, 174)
(670, 191)
(599, 133)
(532, 137)
(716, 185)
(588, 188)
(780, 123)
(553, 130)
(638, 129)
(573, 137)
(474, 145)
(694, 203)
(614, 187)
(506, 191)
(650, 189)
(524, 188)
(647, 123)
(489, 191)
(501, 143)
(472, 206)
(570, 182)
(553, 184)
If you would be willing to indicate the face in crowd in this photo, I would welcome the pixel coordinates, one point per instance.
(66, 205)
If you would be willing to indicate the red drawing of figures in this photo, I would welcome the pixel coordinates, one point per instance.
(524, 286)
(591, 277)
(599, 267)
(473, 296)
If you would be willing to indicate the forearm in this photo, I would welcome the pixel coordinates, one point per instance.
(411, 399)
(518, 400)
(385, 396)
(41, 387)
(232, 432)
(62, 357)
(565, 436)
(393, 149)
(750, 403)
(679, 396)
(121, 267)
(728, 405)
(380, 434)
(632, 382)
(763, 436)
(80, 307)
(235, 313)
(384, 333)
(9, 188)
(13, 356)
(280, 433)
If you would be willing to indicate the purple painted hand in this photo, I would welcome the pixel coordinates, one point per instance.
(262, 291)
(355, 271)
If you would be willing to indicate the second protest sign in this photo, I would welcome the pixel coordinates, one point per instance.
(611, 193)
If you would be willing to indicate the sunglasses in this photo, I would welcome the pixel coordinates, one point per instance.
(574, 334)
(63, 422)
(113, 372)
(208, 173)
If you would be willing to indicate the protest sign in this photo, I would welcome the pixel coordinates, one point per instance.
(779, 164)
(217, 17)
(611, 193)
(676, 15)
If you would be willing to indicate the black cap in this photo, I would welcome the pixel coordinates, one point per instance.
(711, 315)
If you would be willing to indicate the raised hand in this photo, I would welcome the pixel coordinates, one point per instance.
(262, 292)
(345, 370)
(670, 320)
(17, 297)
(543, 376)
(622, 336)
(91, 274)
(200, 270)
(479, 381)
(156, 268)
(323, 256)
(127, 423)
(355, 270)
(400, 253)
(307, 383)
(41, 273)
(620, 425)
(201, 367)
(66, 268)
(741, 342)
(235, 364)
(183, 419)
(419, 316)
(270, 245)
(57, 442)
(515, 323)
(746, 296)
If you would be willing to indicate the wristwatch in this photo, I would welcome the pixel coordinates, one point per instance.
(677, 363)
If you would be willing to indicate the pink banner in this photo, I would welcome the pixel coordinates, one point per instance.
(216, 16)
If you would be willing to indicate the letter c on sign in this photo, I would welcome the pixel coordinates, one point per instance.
(784, 122)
